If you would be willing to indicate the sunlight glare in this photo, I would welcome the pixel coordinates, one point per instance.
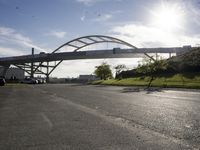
(168, 17)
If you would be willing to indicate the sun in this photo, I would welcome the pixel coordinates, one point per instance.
(169, 17)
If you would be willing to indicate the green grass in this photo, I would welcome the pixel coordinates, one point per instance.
(17, 85)
(188, 80)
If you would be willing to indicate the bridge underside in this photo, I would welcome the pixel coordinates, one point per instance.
(45, 63)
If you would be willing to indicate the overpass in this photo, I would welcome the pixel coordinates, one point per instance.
(40, 63)
(92, 54)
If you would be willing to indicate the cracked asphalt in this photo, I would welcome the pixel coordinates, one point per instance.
(72, 116)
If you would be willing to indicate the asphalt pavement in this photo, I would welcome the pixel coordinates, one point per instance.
(89, 117)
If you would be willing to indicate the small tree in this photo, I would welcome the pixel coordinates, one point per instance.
(119, 69)
(103, 71)
(156, 67)
(151, 68)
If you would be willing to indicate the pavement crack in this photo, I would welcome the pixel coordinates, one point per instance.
(47, 120)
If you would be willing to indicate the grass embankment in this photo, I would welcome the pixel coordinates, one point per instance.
(188, 80)
(18, 85)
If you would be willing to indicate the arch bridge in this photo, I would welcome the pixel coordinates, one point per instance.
(46, 63)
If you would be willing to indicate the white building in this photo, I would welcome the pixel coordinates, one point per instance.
(13, 73)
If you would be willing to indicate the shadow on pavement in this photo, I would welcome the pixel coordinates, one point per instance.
(78, 84)
(137, 89)
(126, 89)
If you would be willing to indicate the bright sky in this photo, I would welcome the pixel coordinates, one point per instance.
(47, 24)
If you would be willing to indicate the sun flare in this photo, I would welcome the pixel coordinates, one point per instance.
(168, 17)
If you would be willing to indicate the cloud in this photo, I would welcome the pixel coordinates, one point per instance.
(149, 36)
(193, 9)
(72, 68)
(83, 18)
(12, 37)
(102, 18)
(92, 2)
(4, 51)
(89, 2)
(98, 16)
(88, 66)
(57, 34)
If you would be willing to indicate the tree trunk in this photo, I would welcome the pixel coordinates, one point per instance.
(149, 85)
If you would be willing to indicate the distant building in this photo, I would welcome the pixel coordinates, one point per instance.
(88, 77)
(13, 73)
(56, 80)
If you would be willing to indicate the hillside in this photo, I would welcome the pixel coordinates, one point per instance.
(188, 62)
(181, 71)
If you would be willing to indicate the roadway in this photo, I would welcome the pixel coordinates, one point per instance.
(61, 116)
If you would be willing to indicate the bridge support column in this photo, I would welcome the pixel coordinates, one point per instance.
(47, 75)
(47, 78)
(156, 56)
(32, 65)
(170, 55)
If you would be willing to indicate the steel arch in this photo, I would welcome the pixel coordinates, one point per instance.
(85, 41)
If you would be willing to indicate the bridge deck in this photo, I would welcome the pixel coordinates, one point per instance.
(94, 54)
